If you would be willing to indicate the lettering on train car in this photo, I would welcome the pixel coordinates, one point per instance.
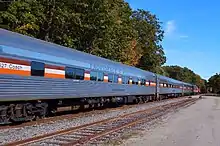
(10, 66)
(3, 65)
(15, 67)
(105, 68)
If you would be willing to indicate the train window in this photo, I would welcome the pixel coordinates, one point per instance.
(125, 80)
(110, 78)
(74, 73)
(37, 68)
(100, 76)
(134, 80)
(93, 76)
(143, 81)
(69, 73)
(115, 80)
(79, 74)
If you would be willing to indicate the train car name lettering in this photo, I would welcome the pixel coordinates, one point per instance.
(15, 67)
(105, 68)
(10, 66)
(3, 65)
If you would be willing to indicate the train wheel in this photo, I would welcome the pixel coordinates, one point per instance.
(21, 112)
(147, 99)
(4, 117)
(42, 110)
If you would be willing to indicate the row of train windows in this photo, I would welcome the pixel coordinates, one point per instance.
(168, 85)
(38, 69)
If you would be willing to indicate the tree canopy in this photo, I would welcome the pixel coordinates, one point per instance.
(185, 75)
(214, 83)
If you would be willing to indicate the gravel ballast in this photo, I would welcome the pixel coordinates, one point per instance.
(21, 133)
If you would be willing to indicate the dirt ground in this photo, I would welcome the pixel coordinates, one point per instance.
(196, 125)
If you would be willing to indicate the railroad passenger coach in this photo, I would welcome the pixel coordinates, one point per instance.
(38, 77)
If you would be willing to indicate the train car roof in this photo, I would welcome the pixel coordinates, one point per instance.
(15, 44)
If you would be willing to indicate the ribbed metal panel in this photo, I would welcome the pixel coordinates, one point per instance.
(30, 88)
(170, 90)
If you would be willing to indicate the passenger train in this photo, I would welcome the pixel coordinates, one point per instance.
(38, 77)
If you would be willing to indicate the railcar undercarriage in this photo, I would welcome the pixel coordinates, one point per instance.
(14, 112)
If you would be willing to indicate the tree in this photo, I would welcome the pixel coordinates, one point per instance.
(150, 34)
(109, 33)
(214, 82)
(185, 75)
(42, 19)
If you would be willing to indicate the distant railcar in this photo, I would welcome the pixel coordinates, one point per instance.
(37, 77)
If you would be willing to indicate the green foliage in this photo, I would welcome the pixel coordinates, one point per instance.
(185, 75)
(214, 83)
(150, 35)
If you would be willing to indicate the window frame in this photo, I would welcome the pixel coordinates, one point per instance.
(75, 71)
(33, 70)
(96, 77)
(112, 79)
(143, 82)
(81, 71)
(102, 75)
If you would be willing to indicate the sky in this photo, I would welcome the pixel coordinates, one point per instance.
(192, 32)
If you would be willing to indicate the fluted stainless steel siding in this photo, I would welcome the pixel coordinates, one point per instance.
(170, 90)
(32, 88)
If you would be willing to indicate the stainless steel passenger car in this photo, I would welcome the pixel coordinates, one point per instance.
(36, 77)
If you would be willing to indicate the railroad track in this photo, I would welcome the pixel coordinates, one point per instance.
(74, 114)
(98, 132)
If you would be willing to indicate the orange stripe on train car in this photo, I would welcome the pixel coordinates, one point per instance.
(14, 72)
(87, 78)
(50, 75)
